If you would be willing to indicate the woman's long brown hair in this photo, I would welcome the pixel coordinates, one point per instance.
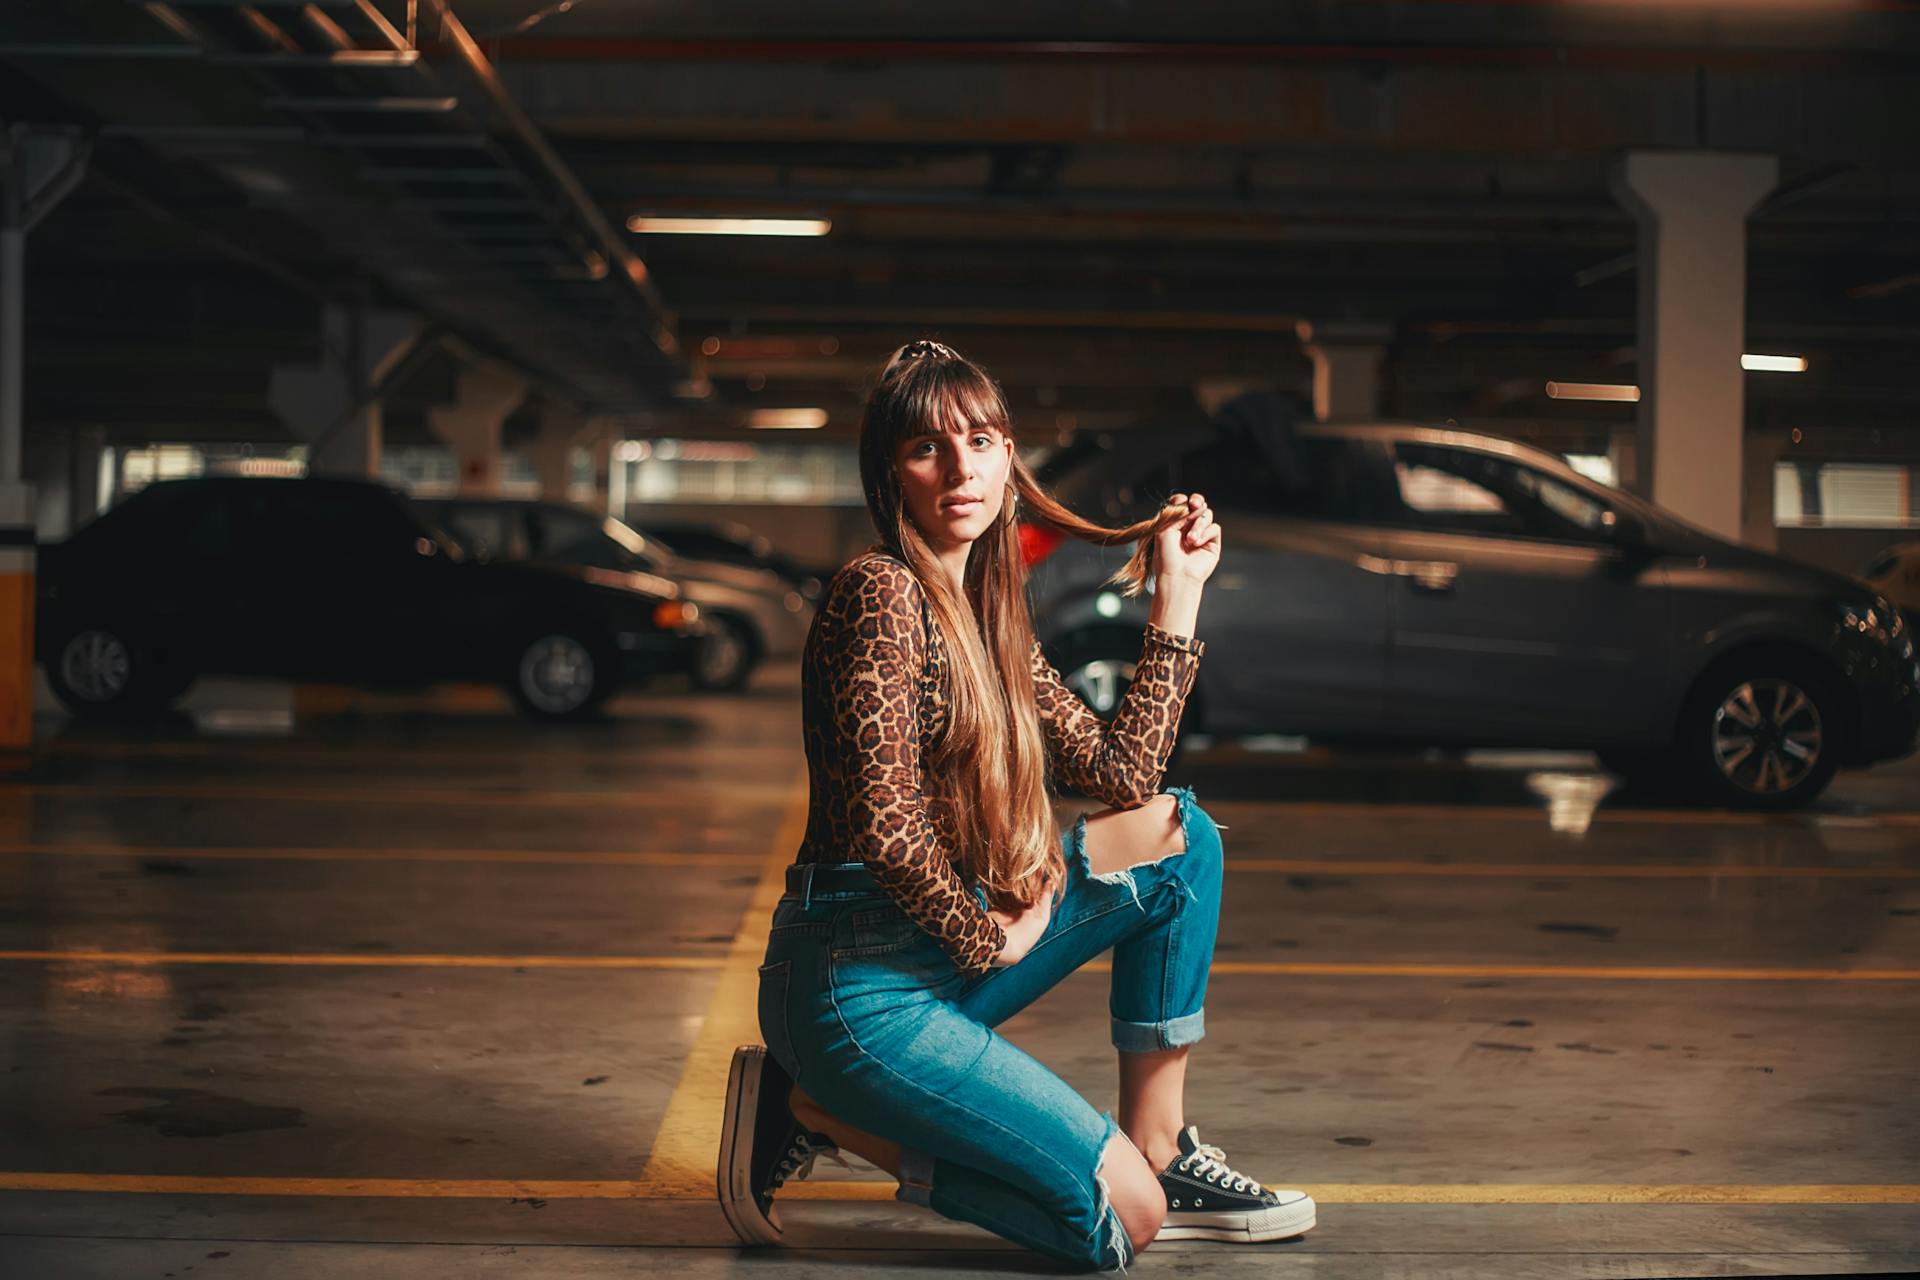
(989, 769)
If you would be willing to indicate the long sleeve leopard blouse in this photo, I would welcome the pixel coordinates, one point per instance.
(874, 698)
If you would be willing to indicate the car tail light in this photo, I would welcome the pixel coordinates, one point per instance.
(669, 615)
(1036, 543)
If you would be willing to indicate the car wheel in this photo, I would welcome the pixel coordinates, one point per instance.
(101, 671)
(561, 675)
(727, 655)
(1762, 733)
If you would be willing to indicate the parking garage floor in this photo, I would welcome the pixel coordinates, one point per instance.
(328, 985)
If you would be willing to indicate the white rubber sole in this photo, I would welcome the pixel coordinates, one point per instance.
(733, 1177)
(1281, 1222)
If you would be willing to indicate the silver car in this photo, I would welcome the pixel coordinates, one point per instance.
(1435, 586)
(750, 614)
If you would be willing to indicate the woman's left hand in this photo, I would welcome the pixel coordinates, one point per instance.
(1189, 548)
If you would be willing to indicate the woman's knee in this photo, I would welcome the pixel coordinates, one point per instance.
(1200, 835)
(1134, 1192)
(1120, 839)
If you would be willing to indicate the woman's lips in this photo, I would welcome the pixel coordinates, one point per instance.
(961, 508)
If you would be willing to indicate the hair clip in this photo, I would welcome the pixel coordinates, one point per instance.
(927, 347)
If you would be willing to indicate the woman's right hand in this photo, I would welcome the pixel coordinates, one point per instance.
(1023, 928)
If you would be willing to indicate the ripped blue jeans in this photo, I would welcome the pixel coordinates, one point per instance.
(872, 1020)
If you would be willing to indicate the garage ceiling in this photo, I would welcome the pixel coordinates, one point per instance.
(1108, 204)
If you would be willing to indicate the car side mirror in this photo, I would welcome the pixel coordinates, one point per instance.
(1626, 530)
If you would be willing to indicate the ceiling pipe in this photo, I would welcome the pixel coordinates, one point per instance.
(612, 243)
(1166, 52)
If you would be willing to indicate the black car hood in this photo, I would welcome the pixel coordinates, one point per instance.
(1683, 540)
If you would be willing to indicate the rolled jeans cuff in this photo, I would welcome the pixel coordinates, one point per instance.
(1149, 1037)
(916, 1178)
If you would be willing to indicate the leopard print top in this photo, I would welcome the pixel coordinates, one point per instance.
(874, 697)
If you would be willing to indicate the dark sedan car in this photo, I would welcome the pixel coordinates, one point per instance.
(732, 543)
(336, 580)
(1415, 584)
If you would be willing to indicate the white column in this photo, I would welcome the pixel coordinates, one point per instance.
(1348, 360)
(561, 429)
(483, 397)
(602, 436)
(1692, 208)
(331, 404)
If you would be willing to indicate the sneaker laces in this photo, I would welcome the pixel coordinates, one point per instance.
(797, 1163)
(1210, 1163)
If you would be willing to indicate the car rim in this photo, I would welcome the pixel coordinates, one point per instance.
(556, 674)
(721, 655)
(96, 666)
(1101, 683)
(1766, 736)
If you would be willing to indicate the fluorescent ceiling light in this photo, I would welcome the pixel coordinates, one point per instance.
(1592, 391)
(729, 226)
(787, 419)
(1774, 364)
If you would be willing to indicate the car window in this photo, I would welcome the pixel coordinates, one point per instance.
(183, 519)
(324, 525)
(486, 530)
(1235, 474)
(1451, 490)
(205, 527)
(564, 534)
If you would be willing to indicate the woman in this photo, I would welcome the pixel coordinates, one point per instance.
(933, 896)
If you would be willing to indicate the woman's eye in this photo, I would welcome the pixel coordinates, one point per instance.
(984, 436)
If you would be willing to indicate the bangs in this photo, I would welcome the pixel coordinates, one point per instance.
(948, 396)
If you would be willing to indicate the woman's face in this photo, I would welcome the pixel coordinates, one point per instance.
(954, 482)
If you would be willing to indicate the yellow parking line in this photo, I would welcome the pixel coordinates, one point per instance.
(371, 960)
(1604, 973)
(1533, 813)
(1561, 870)
(1842, 1193)
(639, 858)
(735, 793)
(732, 1017)
(688, 1144)
(195, 853)
(769, 793)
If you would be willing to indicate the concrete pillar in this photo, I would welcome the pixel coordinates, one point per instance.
(484, 395)
(66, 465)
(561, 429)
(85, 459)
(1762, 450)
(1349, 358)
(334, 405)
(603, 437)
(38, 169)
(1692, 208)
(1623, 452)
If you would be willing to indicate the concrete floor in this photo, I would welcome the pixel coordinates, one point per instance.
(410, 988)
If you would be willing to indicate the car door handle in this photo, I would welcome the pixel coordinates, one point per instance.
(1428, 575)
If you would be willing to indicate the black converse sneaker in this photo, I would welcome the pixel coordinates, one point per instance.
(762, 1146)
(1206, 1200)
